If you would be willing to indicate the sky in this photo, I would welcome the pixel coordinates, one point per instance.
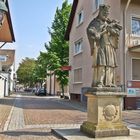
(31, 20)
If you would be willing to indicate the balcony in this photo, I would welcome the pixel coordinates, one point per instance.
(133, 42)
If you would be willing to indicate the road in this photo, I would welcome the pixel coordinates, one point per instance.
(32, 117)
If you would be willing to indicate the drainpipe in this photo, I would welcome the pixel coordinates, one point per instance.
(54, 84)
(50, 92)
(124, 44)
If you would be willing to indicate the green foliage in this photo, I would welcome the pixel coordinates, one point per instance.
(40, 69)
(25, 71)
(31, 71)
(58, 50)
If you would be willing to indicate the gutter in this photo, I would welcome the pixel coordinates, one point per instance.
(124, 44)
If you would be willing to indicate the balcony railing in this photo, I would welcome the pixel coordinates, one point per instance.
(133, 40)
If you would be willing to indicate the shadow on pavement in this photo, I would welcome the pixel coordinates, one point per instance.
(20, 133)
(7, 101)
(33, 102)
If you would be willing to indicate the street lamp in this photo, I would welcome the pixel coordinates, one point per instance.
(3, 10)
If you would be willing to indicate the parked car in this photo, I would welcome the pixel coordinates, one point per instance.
(40, 91)
(28, 89)
(34, 90)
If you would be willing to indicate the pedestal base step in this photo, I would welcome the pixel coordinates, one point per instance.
(92, 132)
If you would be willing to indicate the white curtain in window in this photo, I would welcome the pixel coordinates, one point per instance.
(136, 26)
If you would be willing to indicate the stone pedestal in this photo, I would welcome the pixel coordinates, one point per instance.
(104, 113)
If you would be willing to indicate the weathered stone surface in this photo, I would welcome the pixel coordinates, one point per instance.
(103, 91)
(104, 113)
(96, 131)
(103, 35)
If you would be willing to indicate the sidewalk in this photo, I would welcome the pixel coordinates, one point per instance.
(130, 117)
(75, 134)
(38, 126)
(15, 128)
(5, 108)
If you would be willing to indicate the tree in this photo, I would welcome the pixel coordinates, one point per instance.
(40, 68)
(25, 71)
(58, 48)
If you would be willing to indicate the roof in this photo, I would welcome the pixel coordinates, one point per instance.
(72, 14)
(6, 30)
(10, 54)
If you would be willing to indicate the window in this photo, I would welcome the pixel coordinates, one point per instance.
(80, 17)
(98, 2)
(78, 47)
(135, 69)
(78, 75)
(135, 26)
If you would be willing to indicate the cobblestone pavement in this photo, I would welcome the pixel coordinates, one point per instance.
(132, 118)
(28, 134)
(5, 107)
(33, 117)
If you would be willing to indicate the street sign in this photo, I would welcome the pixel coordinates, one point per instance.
(133, 88)
(66, 68)
(3, 58)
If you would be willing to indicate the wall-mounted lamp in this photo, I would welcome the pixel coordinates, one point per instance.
(3, 10)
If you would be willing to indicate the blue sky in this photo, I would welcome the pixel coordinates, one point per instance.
(31, 19)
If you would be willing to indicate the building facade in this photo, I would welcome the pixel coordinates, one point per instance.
(53, 86)
(6, 56)
(128, 54)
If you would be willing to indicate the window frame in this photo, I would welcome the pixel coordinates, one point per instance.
(81, 46)
(133, 58)
(98, 2)
(134, 17)
(80, 20)
(77, 81)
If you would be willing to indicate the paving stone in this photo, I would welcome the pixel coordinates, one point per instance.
(33, 117)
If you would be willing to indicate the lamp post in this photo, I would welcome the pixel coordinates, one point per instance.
(3, 10)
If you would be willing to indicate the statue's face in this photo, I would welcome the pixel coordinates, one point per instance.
(104, 14)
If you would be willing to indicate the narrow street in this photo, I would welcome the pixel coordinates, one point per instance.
(32, 117)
